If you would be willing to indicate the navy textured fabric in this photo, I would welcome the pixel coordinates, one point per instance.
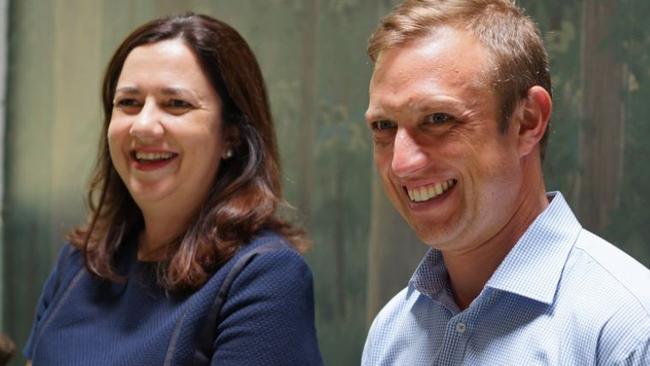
(562, 296)
(267, 317)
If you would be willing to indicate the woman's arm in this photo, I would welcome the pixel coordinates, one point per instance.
(61, 273)
(268, 317)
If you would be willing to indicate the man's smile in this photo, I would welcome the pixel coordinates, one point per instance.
(429, 191)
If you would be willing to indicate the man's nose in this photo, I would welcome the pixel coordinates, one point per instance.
(408, 154)
(147, 124)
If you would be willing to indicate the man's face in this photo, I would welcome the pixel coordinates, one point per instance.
(445, 165)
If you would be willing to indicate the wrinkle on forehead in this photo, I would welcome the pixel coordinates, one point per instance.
(427, 66)
(434, 44)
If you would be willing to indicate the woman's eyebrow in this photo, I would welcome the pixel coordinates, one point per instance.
(174, 91)
(127, 90)
(179, 91)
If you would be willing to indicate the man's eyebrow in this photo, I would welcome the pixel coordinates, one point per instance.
(420, 104)
(373, 114)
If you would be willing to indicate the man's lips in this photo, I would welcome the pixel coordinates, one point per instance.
(429, 191)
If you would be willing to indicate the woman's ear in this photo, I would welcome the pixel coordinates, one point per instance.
(535, 114)
(232, 139)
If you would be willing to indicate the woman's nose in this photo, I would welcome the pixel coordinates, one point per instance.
(147, 124)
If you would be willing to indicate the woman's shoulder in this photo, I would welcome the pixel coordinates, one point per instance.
(69, 262)
(70, 259)
(267, 244)
(266, 261)
(268, 257)
(268, 286)
(268, 239)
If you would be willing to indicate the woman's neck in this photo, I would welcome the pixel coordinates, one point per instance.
(160, 231)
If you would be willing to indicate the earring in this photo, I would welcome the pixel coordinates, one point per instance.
(228, 154)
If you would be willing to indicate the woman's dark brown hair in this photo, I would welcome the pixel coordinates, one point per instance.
(246, 191)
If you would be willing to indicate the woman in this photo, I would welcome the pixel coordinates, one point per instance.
(183, 260)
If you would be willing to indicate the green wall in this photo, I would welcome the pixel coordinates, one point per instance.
(312, 53)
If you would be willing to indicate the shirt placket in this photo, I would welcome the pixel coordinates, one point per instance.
(455, 340)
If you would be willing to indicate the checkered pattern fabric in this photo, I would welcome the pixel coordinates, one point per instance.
(562, 296)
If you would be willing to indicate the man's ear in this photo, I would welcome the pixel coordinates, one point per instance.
(535, 113)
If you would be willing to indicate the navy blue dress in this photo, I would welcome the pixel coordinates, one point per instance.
(267, 317)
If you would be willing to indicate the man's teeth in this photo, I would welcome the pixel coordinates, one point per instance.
(139, 155)
(426, 193)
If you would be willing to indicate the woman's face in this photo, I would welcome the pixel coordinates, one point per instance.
(165, 135)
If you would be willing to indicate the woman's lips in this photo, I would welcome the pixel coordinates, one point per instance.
(151, 160)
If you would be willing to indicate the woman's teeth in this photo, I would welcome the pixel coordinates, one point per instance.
(153, 156)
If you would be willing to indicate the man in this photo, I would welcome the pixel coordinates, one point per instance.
(460, 101)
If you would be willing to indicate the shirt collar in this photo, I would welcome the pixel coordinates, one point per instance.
(532, 268)
(431, 275)
(534, 265)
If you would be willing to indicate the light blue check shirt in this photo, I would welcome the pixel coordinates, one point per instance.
(562, 296)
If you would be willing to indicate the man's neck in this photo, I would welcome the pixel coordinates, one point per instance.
(470, 270)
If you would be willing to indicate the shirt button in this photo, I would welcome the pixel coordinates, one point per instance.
(461, 328)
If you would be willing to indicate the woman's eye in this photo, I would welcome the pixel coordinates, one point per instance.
(438, 118)
(382, 125)
(127, 104)
(179, 104)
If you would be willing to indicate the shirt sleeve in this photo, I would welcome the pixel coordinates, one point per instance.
(268, 317)
(639, 356)
(44, 301)
(625, 339)
(366, 355)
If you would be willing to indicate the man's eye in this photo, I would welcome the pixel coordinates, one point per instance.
(438, 118)
(382, 125)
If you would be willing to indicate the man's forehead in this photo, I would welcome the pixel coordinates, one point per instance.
(441, 67)
(444, 49)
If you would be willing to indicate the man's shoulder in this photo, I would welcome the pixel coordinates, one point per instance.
(395, 308)
(619, 288)
(605, 296)
(397, 329)
(611, 269)
(396, 319)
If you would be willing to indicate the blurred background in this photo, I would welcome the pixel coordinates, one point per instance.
(312, 53)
